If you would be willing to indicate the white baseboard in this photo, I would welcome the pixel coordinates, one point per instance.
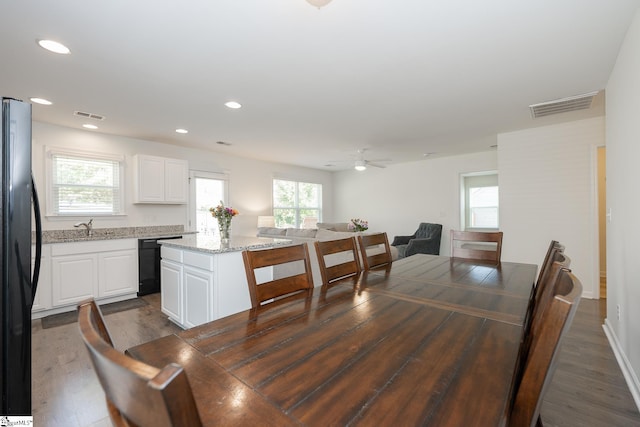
(627, 370)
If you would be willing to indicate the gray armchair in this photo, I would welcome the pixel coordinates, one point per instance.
(426, 240)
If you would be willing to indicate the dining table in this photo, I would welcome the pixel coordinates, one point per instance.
(427, 340)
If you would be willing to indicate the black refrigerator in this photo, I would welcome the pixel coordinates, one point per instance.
(17, 285)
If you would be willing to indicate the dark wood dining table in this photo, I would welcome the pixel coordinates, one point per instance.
(430, 340)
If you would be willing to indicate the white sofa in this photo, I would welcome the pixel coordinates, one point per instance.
(324, 232)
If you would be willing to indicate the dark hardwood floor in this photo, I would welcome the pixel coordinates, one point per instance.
(588, 388)
(66, 391)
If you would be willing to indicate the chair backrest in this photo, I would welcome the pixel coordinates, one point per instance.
(544, 288)
(137, 393)
(540, 300)
(345, 254)
(542, 293)
(540, 362)
(374, 257)
(554, 247)
(473, 245)
(270, 289)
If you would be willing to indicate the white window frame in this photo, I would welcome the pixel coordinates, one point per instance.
(297, 207)
(193, 174)
(477, 179)
(52, 210)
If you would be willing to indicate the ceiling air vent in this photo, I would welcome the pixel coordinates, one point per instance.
(88, 115)
(572, 103)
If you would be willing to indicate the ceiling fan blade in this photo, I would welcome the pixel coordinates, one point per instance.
(375, 165)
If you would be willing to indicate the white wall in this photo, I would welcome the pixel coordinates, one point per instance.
(250, 181)
(623, 198)
(396, 199)
(547, 192)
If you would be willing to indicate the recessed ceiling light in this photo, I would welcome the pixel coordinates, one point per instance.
(318, 3)
(53, 46)
(41, 101)
(182, 131)
(233, 104)
(89, 126)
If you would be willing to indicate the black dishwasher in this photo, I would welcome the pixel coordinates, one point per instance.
(149, 265)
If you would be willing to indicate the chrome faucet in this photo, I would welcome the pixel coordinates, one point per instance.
(87, 225)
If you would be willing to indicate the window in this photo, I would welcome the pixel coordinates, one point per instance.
(296, 203)
(207, 190)
(81, 183)
(480, 205)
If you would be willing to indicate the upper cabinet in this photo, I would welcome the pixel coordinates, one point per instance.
(160, 180)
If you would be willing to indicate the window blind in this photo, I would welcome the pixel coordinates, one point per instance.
(84, 185)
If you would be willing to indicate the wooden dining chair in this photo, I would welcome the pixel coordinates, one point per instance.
(299, 281)
(137, 394)
(554, 247)
(546, 292)
(548, 329)
(338, 259)
(370, 248)
(555, 253)
(476, 245)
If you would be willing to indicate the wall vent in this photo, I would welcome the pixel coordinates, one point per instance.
(88, 115)
(572, 103)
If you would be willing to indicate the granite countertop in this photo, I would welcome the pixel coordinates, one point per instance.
(209, 244)
(80, 235)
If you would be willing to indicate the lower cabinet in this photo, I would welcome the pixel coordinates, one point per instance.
(74, 277)
(71, 272)
(117, 272)
(42, 299)
(171, 290)
(198, 287)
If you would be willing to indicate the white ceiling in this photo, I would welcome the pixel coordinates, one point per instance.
(398, 77)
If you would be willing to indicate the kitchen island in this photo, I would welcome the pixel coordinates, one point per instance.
(203, 279)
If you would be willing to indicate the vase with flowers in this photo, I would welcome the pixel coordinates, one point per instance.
(358, 224)
(224, 215)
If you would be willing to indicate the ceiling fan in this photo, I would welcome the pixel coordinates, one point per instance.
(361, 163)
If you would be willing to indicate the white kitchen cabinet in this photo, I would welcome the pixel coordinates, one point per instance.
(171, 284)
(117, 272)
(42, 299)
(198, 287)
(160, 180)
(73, 278)
(198, 282)
(101, 269)
(176, 181)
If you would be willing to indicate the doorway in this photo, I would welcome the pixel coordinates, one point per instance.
(602, 219)
(207, 190)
